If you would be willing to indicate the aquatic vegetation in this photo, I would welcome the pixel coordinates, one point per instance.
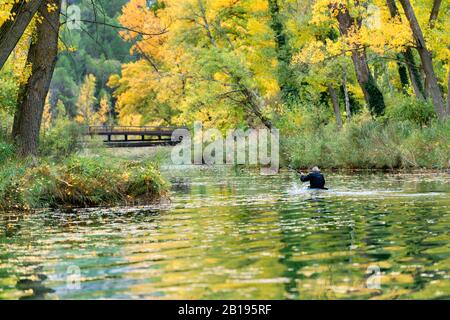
(79, 181)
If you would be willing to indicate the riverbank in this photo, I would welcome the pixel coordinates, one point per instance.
(370, 145)
(97, 176)
(79, 181)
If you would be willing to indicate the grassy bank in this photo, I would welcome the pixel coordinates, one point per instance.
(371, 144)
(78, 181)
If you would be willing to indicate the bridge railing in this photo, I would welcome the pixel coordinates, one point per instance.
(104, 130)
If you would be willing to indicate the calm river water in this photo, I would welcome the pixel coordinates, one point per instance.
(234, 234)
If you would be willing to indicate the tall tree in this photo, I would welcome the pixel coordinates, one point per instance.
(86, 101)
(12, 30)
(220, 60)
(42, 57)
(408, 56)
(251, 97)
(284, 53)
(372, 94)
(103, 115)
(425, 57)
(432, 22)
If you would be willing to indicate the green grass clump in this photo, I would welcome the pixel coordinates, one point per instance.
(62, 140)
(6, 151)
(12, 190)
(79, 181)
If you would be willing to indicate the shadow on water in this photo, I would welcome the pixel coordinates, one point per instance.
(317, 207)
(36, 287)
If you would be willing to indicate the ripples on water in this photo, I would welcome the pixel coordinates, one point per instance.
(232, 234)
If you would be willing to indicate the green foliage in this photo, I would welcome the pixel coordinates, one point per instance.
(61, 140)
(97, 49)
(64, 88)
(12, 187)
(372, 145)
(6, 151)
(411, 109)
(5, 124)
(9, 88)
(376, 100)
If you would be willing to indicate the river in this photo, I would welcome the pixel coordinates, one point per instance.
(231, 233)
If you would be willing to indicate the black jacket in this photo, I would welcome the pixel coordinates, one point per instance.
(316, 180)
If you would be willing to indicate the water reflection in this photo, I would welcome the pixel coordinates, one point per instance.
(232, 234)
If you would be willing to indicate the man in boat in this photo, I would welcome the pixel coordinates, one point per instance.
(316, 179)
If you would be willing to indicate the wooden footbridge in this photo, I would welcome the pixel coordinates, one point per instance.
(134, 136)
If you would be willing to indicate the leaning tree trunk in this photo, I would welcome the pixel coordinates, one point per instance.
(408, 57)
(372, 94)
(42, 57)
(434, 12)
(432, 22)
(335, 101)
(414, 74)
(425, 57)
(12, 30)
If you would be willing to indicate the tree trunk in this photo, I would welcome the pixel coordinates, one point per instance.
(346, 96)
(372, 94)
(433, 17)
(284, 55)
(427, 62)
(435, 12)
(414, 73)
(254, 101)
(42, 56)
(12, 30)
(448, 93)
(403, 74)
(335, 101)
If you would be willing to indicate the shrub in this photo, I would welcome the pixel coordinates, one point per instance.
(6, 151)
(371, 145)
(412, 110)
(62, 140)
(12, 189)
